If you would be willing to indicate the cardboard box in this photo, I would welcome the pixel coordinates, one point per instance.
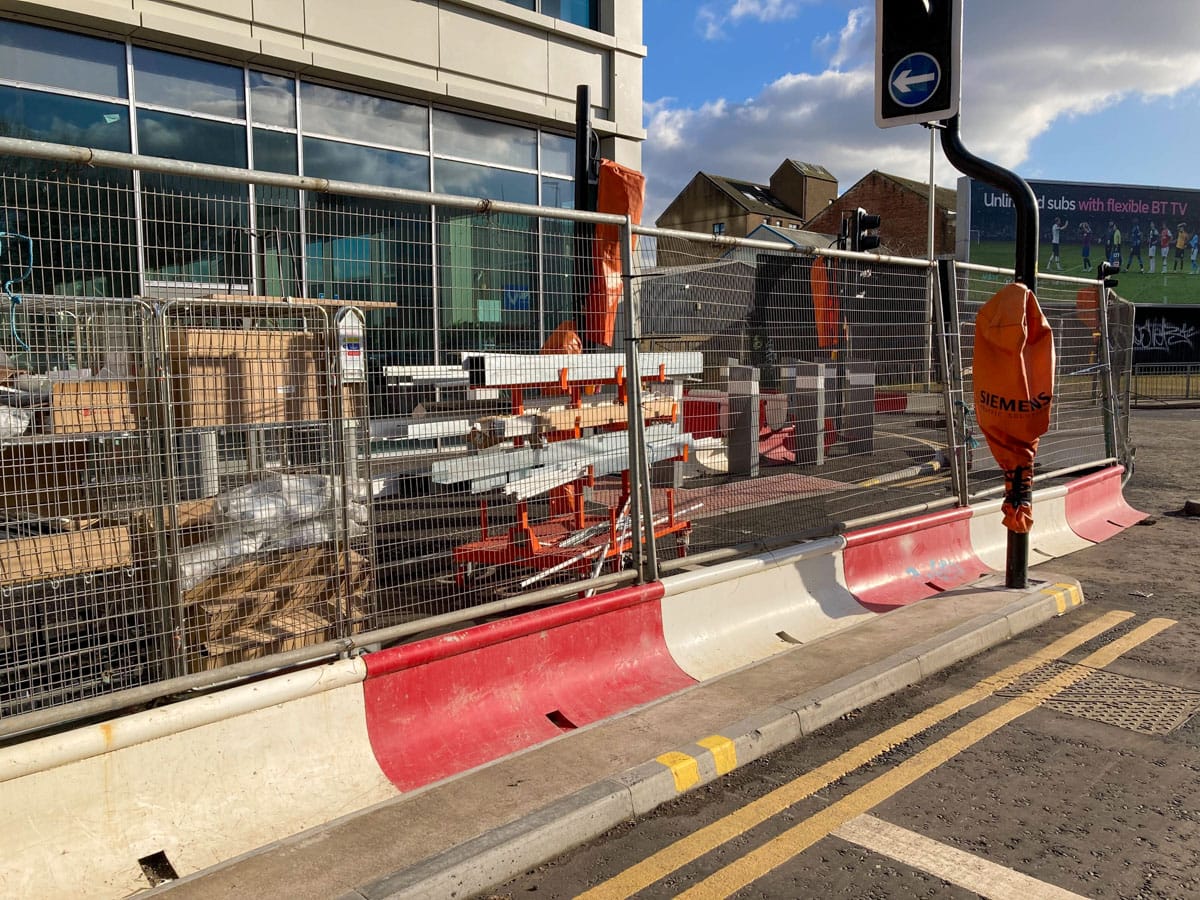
(91, 407)
(225, 377)
(60, 555)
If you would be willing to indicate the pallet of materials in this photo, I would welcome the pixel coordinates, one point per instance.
(275, 602)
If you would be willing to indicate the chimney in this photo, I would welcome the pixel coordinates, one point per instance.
(804, 187)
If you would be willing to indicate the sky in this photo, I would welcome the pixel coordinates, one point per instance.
(1055, 90)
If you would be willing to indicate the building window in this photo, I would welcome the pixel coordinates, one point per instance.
(465, 137)
(505, 280)
(194, 85)
(718, 228)
(352, 116)
(272, 100)
(59, 59)
(578, 12)
(558, 154)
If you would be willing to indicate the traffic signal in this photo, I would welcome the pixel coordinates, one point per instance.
(863, 221)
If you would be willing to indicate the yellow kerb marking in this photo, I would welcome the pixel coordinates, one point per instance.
(688, 849)
(1065, 595)
(684, 769)
(723, 751)
(779, 850)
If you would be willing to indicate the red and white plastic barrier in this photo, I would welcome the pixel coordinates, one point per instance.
(208, 779)
(719, 619)
(449, 703)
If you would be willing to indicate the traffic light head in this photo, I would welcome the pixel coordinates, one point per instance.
(864, 222)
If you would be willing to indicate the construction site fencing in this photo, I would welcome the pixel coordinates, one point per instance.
(1088, 421)
(250, 421)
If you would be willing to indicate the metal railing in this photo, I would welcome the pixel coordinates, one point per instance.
(377, 413)
(1156, 384)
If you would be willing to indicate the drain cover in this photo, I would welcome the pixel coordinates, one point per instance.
(1135, 704)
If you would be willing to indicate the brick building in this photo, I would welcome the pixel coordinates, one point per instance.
(903, 205)
(714, 204)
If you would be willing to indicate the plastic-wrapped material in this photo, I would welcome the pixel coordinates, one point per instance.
(258, 506)
(205, 560)
(303, 534)
(14, 422)
(306, 496)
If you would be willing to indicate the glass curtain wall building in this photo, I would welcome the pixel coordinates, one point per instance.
(495, 281)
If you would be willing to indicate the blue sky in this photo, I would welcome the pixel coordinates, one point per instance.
(1070, 90)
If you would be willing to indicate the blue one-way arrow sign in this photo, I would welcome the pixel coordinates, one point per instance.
(914, 79)
(918, 47)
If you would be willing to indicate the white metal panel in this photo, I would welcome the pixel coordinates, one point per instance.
(507, 369)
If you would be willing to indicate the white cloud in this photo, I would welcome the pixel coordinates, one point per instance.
(712, 18)
(1026, 66)
(764, 10)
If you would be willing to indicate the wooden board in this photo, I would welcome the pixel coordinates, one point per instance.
(60, 555)
(276, 602)
(228, 377)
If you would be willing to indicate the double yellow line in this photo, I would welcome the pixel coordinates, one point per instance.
(775, 852)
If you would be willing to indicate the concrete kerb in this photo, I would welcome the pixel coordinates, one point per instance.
(505, 852)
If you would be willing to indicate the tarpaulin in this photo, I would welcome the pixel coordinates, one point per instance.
(621, 191)
(1014, 387)
(826, 306)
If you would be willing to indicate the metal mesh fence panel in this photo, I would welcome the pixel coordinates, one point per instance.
(817, 405)
(1086, 406)
(240, 419)
(81, 601)
(266, 529)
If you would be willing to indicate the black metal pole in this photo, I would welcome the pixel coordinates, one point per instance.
(1016, 570)
(585, 199)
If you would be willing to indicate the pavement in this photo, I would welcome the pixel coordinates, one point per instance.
(479, 829)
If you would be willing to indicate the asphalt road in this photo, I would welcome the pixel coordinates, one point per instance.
(1080, 778)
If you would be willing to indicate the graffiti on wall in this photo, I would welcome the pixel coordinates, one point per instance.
(1167, 334)
(1161, 334)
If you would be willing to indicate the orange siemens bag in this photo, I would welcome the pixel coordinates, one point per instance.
(1014, 387)
(621, 191)
(826, 307)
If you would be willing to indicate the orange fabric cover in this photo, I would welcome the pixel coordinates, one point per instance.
(622, 191)
(826, 306)
(1014, 387)
(1087, 307)
(563, 339)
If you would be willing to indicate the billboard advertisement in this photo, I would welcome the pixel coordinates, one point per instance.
(1094, 222)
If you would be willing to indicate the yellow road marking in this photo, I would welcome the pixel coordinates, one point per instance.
(695, 845)
(723, 751)
(684, 769)
(778, 850)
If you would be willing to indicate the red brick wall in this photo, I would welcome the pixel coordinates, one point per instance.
(905, 217)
